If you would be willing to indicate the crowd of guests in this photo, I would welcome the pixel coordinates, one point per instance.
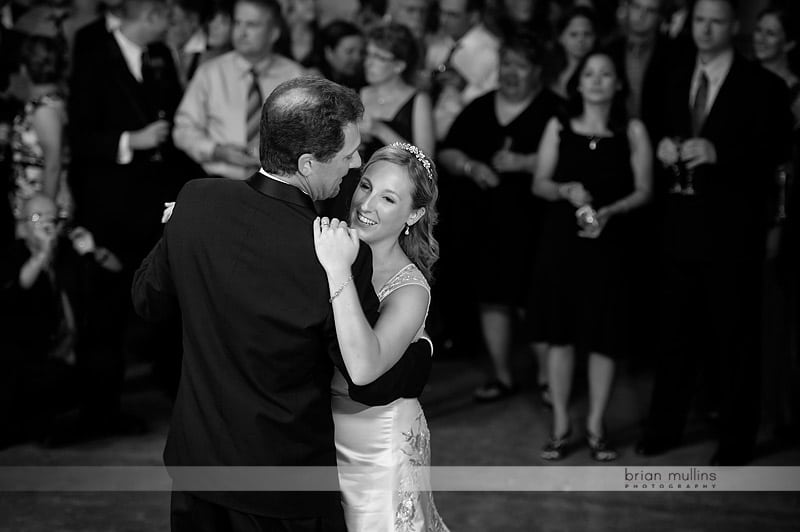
(616, 182)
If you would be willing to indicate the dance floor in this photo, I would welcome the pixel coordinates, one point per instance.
(504, 434)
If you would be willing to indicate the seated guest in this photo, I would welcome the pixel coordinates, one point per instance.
(217, 123)
(40, 279)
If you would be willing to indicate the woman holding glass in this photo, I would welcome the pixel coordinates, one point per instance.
(594, 167)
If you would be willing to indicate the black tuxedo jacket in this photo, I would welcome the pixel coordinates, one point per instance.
(747, 125)
(121, 204)
(258, 334)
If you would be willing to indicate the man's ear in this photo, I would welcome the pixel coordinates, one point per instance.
(305, 164)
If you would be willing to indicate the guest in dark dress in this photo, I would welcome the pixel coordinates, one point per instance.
(394, 110)
(595, 158)
(492, 146)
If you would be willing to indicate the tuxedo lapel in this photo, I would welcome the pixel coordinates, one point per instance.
(725, 101)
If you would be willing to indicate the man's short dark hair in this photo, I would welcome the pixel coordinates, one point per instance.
(305, 115)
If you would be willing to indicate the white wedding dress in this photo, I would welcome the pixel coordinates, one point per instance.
(383, 453)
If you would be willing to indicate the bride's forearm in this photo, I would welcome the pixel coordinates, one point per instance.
(357, 341)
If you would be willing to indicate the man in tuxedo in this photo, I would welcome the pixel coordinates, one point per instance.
(237, 258)
(722, 131)
(123, 91)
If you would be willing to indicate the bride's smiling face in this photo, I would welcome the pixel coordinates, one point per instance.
(382, 203)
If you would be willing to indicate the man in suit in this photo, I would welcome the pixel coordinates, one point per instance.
(726, 109)
(123, 90)
(646, 56)
(237, 257)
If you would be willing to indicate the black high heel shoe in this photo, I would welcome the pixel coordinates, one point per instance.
(556, 447)
(599, 448)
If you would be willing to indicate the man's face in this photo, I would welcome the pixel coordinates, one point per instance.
(454, 19)
(713, 26)
(326, 177)
(412, 14)
(643, 16)
(254, 30)
(157, 20)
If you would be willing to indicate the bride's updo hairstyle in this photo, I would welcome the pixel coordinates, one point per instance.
(417, 241)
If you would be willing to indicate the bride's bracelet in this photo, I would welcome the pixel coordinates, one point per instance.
(339, 290)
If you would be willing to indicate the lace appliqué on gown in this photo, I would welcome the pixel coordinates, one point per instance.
(414, 495)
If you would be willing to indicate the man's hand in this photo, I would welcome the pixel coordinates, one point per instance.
(697, 151)
(336, 245)
(149, 137)
(235, 155)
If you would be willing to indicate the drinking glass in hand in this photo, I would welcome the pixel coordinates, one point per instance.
(157, 156)
(588, 222)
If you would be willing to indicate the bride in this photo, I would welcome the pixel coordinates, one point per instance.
(393, 211)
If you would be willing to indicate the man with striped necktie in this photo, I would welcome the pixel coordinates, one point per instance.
(217, 123)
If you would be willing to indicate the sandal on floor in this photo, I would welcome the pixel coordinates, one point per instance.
(493, 390)
(599, 449)
(556, 447)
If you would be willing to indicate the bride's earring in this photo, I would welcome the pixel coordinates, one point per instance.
(407, 230)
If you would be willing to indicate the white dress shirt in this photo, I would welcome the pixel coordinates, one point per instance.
(476, 58)
(132, 53)
(214, 108)
(716, 70)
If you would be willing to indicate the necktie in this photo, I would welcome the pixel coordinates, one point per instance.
(699, 105)
(254, 102)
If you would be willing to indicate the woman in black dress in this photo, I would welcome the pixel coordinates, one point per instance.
(596, 163)
(491, 149)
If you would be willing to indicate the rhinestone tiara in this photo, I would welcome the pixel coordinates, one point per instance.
(418, 153)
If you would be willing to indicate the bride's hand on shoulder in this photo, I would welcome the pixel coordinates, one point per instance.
(335, 243)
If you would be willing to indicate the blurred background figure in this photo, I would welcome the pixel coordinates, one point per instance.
(394, 110)
(413, 14)
(124, 91)
(38, 142)
(44, 276)
(461, 59)
(576, 35)
(343, 48)
(774, 41)
(598, 162)
(720, 109)
(218, 121)
(492, 149)
(218, 25)
(300, 35)
(186, 38)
